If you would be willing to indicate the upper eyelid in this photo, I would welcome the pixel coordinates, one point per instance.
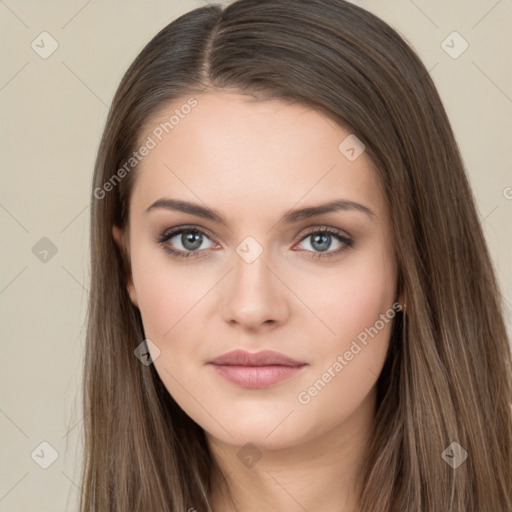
(172, 232)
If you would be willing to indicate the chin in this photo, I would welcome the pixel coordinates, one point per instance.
(266, 435)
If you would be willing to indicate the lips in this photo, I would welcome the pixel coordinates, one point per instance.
(259, 370)
(264, 358)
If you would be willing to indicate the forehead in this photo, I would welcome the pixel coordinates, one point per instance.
(253, 154)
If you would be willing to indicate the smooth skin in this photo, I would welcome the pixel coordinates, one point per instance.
(252, 162)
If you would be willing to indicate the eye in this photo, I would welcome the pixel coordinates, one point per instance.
(184, 241)
(187, 241)
(320, 242)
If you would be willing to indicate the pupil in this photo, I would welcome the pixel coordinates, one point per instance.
(191, 240)
(323, 240)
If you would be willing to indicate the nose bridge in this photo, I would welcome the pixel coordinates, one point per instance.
(255, 296)
(251, 272)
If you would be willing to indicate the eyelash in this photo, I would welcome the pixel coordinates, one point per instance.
(170, 233)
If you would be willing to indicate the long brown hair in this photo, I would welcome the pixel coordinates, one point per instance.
(447, 376)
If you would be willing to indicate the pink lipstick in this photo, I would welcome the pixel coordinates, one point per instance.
(258, 370)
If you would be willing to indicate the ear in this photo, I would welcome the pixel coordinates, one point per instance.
(119, 238)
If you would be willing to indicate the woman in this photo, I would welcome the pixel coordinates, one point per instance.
(292, 304)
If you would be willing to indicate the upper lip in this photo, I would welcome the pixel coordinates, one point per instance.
(263, 358)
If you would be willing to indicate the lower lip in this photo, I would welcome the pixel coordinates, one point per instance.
(256, 376)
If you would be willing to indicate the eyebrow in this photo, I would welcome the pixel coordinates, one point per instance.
(288, 218)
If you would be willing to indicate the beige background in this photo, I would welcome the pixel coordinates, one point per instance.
(53, 111)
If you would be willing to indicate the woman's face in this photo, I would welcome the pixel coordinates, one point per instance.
(261, 273)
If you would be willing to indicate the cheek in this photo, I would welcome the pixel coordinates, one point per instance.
(165, 292)
(348, 364)
(352, 297)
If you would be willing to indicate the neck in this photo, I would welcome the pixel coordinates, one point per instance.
(320, 474)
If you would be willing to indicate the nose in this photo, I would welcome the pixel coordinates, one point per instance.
(254, 297)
